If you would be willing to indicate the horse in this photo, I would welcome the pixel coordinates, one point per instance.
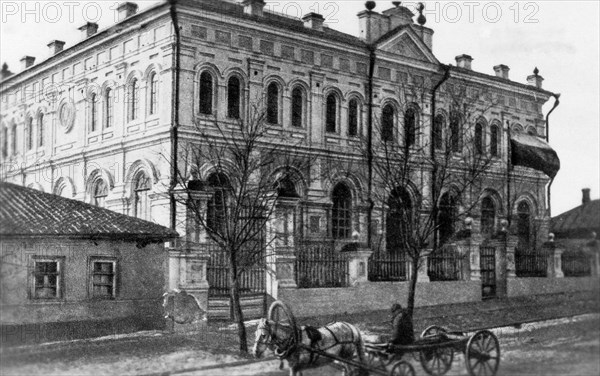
(339, 339)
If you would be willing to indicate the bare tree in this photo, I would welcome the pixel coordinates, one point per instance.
(427, 188)
(248, 172)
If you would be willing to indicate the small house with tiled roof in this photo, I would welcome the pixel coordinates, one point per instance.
(577, 231)
(70, 269)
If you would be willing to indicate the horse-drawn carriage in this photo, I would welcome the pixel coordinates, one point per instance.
(307, 347)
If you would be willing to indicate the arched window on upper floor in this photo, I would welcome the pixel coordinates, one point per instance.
(494, 140)
(206, 93)
(4, 142)
(331, 113)
(99, 193)
(455, 129)
(233, 97)
(353, 117)
(488, 217)
(341, 215)
(410, 127)
(29, 134)
(41, 130)
(93, 112)
(438, 131)
(478, 141)
(273, 103)
(298, 107)
(133, 100)
(153, 97)
(109, 108)
(13, 139)
(387, 123)
(141, 201)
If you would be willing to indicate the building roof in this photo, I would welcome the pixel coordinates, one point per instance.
(578, 222)
(27, 212)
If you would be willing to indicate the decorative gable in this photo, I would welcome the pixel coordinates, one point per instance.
(406, 43)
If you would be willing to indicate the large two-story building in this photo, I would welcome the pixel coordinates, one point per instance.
(106, 120)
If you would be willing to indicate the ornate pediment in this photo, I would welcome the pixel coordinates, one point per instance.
(406, 43)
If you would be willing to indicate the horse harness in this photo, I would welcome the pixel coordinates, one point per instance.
(314, 335)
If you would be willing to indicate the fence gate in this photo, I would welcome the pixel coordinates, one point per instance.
(252, 289)
(487, 257)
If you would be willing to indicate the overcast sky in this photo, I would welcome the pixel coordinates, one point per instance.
(561, 38)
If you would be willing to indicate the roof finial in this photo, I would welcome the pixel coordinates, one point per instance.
(370, 5)
(421, 19)
(536, 71)
(396, 3)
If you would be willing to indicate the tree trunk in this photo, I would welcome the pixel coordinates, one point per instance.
(412, 286)
(237, 309)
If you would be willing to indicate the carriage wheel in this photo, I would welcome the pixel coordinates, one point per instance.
(282, 316)
(402, 368)
(482, 355)
(436, 361)
(433, 330)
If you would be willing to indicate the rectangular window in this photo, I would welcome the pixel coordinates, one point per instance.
(88, 63)
(67, 73)
(223, 37)
(267, 47)
(402, 77)
(315, 224)
(199, 32)
(130, 45)
(344, 65)
(326, 61)
(385, 73)
(245, 43)
(287, 52)
(160, 33)
(102, 58)
(47, 278)
(308, 57)
(115, 52)
(361, 68)
(103, 278)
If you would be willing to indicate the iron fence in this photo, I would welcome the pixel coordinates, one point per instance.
(576, 264)
(319, 265)
(386, 266)
(445, 264)
(251, 280)
(531, 263)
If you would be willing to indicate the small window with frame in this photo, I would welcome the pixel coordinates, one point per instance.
(47, 278)
(103, 278)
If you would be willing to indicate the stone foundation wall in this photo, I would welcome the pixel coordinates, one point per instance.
(540, 286)
(375, 296)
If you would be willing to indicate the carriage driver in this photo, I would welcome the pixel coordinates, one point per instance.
(402, 327)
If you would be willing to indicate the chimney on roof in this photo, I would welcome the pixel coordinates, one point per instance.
(56, 46)
(27, 61)
(5, 72)
(89, 29)
(502, 71)
(125, 10)
(254, 7)
(585, 196)
(535, 79)
(464, 61)
(313, 21)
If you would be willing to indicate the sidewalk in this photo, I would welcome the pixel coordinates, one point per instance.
(158, 352)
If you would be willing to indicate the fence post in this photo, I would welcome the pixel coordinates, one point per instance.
(285, 261)
(193, 275)
(358, 264)
(553, 258)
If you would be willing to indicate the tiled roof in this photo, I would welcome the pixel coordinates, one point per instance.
(28, 212)
(578, 222)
